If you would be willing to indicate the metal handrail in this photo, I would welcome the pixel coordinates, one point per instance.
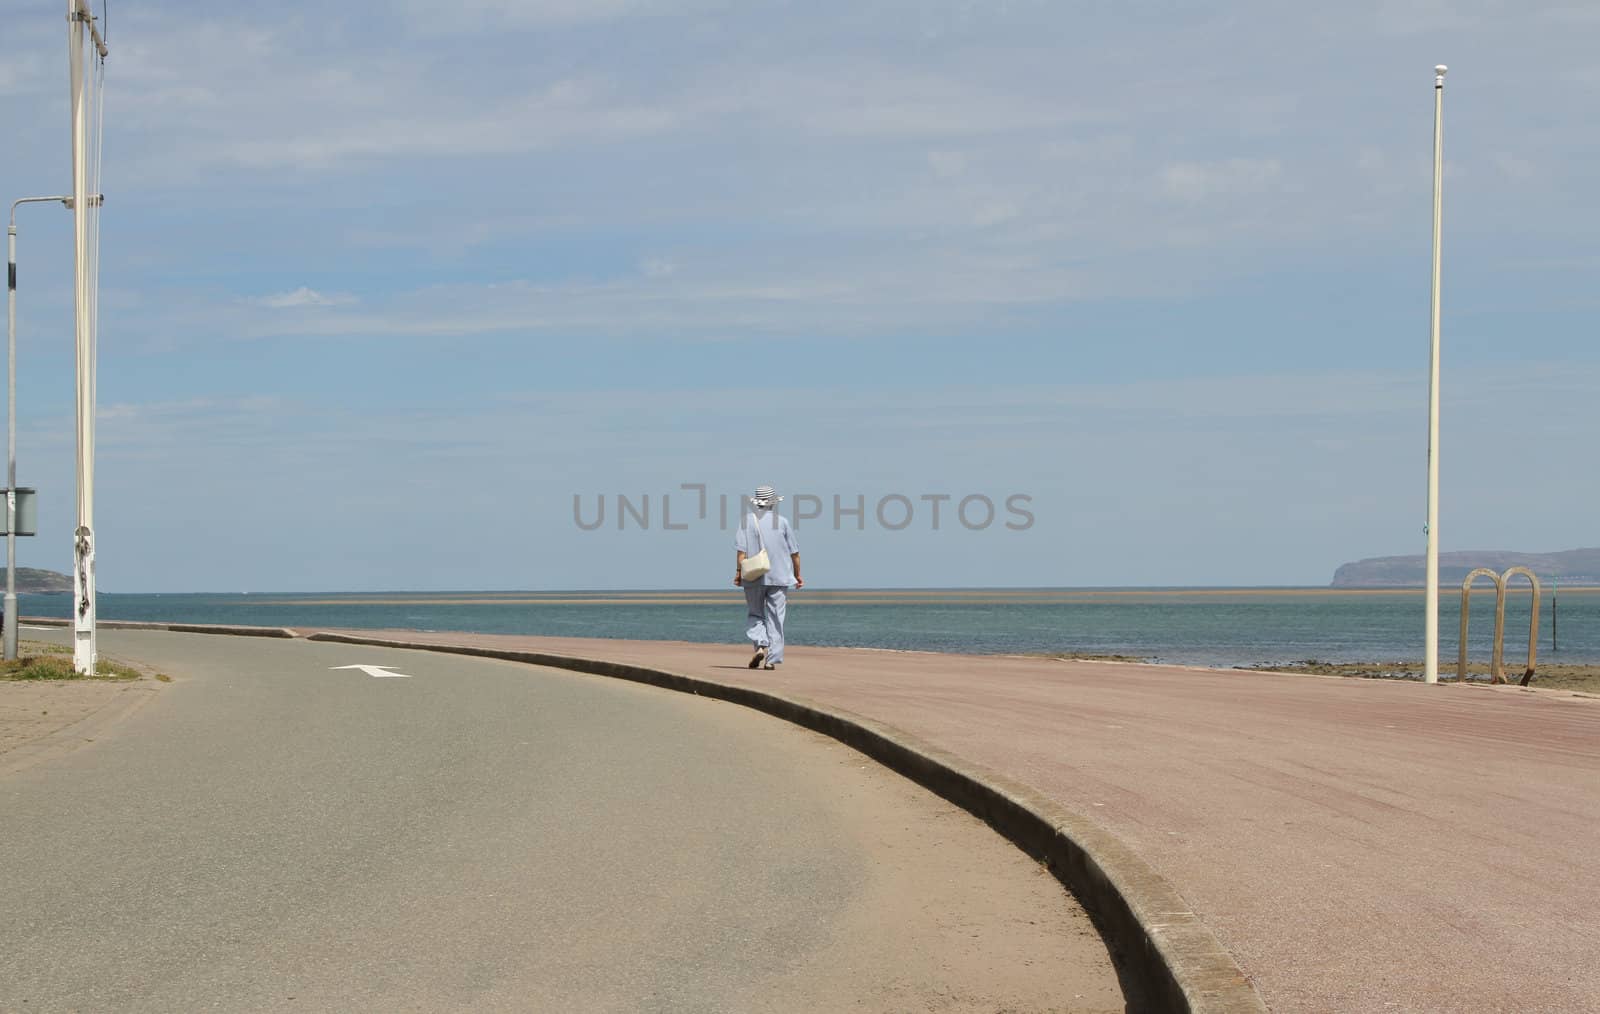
(1533, 621)
(1497, 669)
(1496, 675)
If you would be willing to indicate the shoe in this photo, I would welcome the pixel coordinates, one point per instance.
(759, 657)
(772, 665)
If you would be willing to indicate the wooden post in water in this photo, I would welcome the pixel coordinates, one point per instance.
(1553, 646)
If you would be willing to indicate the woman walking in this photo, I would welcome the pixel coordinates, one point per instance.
(763, 532)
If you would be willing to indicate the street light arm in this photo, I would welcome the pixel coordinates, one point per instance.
(12, 224)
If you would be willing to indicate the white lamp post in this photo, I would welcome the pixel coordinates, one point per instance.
(10, 635)
(84, 656)
(1430, 671)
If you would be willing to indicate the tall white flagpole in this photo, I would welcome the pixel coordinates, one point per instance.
(1430, 673)
(84, 655)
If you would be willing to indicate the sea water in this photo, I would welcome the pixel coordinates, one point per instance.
(1224, 627)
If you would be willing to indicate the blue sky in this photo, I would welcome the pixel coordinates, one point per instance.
(384, 288)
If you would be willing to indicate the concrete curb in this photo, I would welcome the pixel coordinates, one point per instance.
(1166, 956)
(182, 628)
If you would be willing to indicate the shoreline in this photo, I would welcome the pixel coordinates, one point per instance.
(1580, 677)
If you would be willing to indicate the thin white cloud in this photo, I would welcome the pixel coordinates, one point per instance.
(333, 120)
(464, 17)
(257, 405)
(858, 294)
(565, 113)
(1199, 181)
(301, 297)
(899, 102)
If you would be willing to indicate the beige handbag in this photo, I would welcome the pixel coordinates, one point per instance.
(753, 567)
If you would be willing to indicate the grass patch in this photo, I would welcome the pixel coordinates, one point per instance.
(58, 666)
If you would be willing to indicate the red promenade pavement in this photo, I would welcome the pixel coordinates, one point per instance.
(1357, 845)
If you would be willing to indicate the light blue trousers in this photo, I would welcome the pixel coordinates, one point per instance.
(764, 609)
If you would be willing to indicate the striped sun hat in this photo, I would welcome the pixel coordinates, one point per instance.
(765, 496)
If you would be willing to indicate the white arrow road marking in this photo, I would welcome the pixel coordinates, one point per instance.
(376, 671)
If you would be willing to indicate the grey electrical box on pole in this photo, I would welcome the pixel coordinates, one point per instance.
(27, 512)
(22, 518)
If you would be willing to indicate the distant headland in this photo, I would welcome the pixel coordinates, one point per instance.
(1569, 567)
(33, 581)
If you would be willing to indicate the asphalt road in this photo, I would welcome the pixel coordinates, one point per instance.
(272, 832)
